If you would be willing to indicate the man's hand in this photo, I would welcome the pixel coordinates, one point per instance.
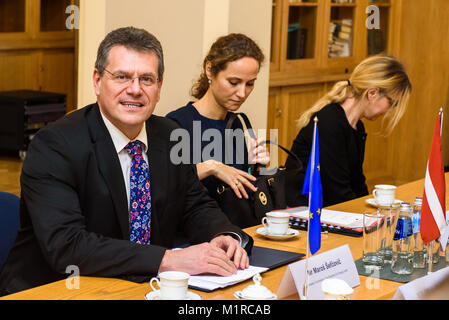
(233, 250)
(213, 257)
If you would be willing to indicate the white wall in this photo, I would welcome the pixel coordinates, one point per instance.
(253, 18)
(91, 32)
(186, 30)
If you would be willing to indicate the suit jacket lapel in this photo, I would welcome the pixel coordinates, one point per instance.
(158, 164)
(109, 166)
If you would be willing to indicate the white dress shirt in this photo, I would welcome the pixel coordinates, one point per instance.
(120, 141)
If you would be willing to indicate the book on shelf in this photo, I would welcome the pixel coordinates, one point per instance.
(340, 38)
(344, 35)
(346, 22)
(346, 28)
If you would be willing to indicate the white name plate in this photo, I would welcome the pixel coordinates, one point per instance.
(336, 263)
(434, 286)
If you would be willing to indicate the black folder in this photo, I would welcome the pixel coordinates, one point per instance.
(272, 258)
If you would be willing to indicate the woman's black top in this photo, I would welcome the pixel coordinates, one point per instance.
(205, 144)
(341, 149)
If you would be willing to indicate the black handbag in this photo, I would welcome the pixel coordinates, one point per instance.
(270, 194)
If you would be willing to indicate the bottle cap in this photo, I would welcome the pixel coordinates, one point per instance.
(405, 206)
(418, 201)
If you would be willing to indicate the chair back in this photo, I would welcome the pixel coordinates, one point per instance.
(9, 223)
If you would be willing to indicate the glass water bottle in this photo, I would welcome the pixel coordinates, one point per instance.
(402, 258)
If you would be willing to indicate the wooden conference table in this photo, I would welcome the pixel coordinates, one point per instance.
(115, 289)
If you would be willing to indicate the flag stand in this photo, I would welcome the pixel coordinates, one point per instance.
(430, 247)
(306, 279)
(312, 168)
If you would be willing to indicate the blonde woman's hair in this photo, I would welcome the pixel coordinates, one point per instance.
(379, 71)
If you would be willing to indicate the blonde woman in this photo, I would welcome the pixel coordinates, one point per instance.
(378, 86)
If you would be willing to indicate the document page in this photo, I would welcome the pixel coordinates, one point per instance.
(339, 218)
(211, 282)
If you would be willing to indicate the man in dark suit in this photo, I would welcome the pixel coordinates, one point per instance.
(75, 187)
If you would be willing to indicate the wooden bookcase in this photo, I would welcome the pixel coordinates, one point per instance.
(302, 68)
(307, 24)
(37, 51)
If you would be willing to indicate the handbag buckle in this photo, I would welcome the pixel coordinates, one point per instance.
(220, 189)
(263, 198)
(270, 181)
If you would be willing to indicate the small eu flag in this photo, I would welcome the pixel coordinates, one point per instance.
(312, 188)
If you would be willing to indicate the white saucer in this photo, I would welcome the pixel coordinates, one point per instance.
(154, 295)
(240, 296)
(373, 202)
(290, 234)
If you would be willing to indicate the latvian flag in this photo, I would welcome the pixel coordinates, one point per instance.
(433, 214)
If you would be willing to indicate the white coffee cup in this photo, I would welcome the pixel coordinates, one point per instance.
(173, 285)
(276, 222)
(384, 194)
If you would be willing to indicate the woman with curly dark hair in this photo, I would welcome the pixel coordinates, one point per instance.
(228, 77)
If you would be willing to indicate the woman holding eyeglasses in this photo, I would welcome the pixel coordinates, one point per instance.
(378, 86)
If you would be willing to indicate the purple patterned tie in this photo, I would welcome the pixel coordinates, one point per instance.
(140, 198)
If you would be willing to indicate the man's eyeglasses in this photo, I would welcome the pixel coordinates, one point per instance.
(124, 78)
